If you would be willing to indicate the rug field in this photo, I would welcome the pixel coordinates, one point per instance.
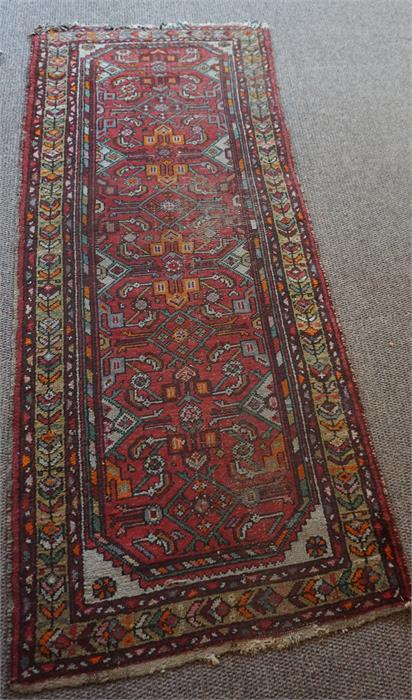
(192, 473)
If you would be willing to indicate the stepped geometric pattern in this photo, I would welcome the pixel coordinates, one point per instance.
(192, 468)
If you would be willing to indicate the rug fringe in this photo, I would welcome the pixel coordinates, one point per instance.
(41, 29)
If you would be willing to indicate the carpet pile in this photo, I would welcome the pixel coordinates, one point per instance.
(193, 472)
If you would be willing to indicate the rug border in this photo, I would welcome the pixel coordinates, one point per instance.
(13, 490)
(350, 378)
(211, 653)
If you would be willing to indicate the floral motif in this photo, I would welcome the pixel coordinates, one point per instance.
(104, 587)
(316, 546)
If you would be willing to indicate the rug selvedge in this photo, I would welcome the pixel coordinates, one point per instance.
(213, 482)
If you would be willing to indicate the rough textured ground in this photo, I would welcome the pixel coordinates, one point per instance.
(343, 72)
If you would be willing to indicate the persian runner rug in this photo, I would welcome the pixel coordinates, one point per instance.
(192, 469)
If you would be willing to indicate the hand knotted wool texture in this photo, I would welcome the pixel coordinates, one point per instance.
(192, 468)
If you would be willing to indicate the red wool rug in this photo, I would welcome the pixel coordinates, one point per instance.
(192, 470)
